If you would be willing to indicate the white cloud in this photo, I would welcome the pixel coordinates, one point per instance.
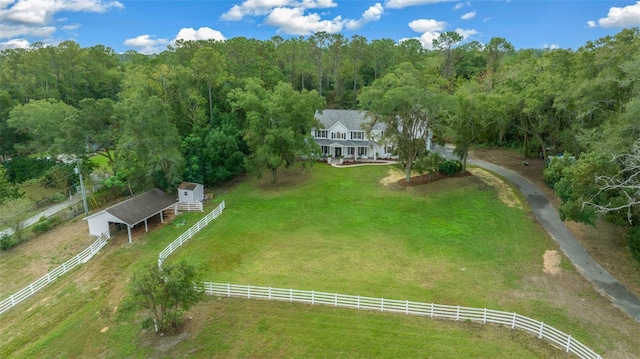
(373, 13)
(460, 5)
(551, 47)
(628, 16)
(430, 30)
(293, 21)
(14, 44)
(203, 33)
(147, 45)
(34, 18)
(264, 7)
(12, 31)
(71, 27)
(399, 4)
(427, 25)
(468, 16)
(466, 33)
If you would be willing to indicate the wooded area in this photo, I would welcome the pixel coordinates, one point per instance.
(205, 111)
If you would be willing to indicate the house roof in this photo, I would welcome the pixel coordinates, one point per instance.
(188, 186)
(141, 207)
(351, 119)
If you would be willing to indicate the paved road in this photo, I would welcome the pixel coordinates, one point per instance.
(548, 217)
(47, 212)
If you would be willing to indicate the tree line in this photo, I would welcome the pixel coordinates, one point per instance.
(206, 111)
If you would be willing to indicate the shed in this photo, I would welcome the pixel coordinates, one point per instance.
(131, 212)
(189, 192)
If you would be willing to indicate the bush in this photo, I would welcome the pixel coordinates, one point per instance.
(6, 242)
(633, 241)
(450, 167)
(555, 166)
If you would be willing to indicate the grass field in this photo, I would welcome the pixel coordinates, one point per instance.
(335, 230)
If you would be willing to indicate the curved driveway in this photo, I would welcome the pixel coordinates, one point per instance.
(548, 217)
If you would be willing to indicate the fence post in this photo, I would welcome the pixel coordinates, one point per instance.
(31, 288)
(228, 290)
(541, 330)
(406, 307)
(358, 302)
(313, 300)
(335, 299)
(382, 304)
(249, 291)
(269, 293)
(290, 295)
(568, 343)
(484, 316)
(458, 313)
(513, 322)
(431, 310)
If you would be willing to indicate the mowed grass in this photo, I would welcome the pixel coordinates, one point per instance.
(334, 230)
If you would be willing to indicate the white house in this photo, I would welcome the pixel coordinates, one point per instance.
(189, 192)
(344, 136)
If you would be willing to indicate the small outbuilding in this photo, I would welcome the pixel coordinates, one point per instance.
(131, 212)
(189, 192)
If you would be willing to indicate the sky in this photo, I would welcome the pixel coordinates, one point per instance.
(149, 26)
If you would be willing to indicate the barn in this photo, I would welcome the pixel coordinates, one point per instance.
(131, 212)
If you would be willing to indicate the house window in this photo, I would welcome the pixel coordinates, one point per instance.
(350, 151)
(338, 135)
(321, 133)
(186, 193)
(357, 135)
(325, 150)
(362, 151)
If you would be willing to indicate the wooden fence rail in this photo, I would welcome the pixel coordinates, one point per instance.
(190, 233)
(512, 320)
(51, 276)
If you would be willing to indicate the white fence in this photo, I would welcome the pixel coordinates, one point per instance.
(188, 206)
(190, 233)
(512, 320)
(45, 280)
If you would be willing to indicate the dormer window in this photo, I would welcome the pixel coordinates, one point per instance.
(357, 135)
(321, 133)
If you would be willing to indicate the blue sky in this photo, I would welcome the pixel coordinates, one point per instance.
(148, 26)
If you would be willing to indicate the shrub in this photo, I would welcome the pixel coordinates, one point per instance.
(633, 241)
(450, 167)
(6, 242)
(553, 173)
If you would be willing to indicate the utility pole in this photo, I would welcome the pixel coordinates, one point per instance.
(84, 193)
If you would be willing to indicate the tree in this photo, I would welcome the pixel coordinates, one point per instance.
(211, 67)
(149, 148)
(8, 190)
(408, 105)
(279, 123)
(445, 42)
(46, 122)
(13, 215)
(166, 293)
(625, 185)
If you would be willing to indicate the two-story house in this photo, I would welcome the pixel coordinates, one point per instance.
(343, 135)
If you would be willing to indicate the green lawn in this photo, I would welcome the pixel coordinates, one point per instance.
(337, 230)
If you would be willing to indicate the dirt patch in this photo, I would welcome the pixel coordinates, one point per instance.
(551, 264)
(504, 191)
(397, 176)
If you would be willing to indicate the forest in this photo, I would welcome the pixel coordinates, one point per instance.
(207, 111)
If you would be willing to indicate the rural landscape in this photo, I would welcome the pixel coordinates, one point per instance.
(398, 207)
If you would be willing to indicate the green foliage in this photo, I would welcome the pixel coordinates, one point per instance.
(555, 166)
(633, 242)
(450, 167)
(23, 168)
(166, 293)
(13, 214)
(279, 124)
(6, 242)
(577, 186)
(428, 162)
(8, 190)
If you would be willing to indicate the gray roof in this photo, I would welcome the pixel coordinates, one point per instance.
(351, 119)
(190, 186)
(141, 207)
